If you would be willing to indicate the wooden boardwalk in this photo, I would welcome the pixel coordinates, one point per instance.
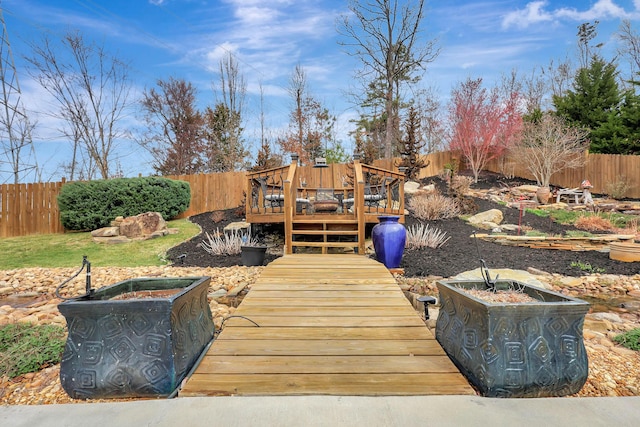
(328, 325)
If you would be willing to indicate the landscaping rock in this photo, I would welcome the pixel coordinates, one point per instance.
(410, 187)
(493, 216)
(531, 189)
(143, 225)
(238, 227)
(106, 232)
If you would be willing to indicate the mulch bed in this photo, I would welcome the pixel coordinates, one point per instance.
(461, 253)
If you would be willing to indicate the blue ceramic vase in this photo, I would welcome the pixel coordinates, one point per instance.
(389, 237)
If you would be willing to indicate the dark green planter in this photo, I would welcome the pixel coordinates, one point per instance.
(252, 256)
(514, 350)
(135, 347)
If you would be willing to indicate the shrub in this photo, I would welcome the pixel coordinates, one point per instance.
(28, 348)
(421, 236)
(593, 223)
(587, 267)
(617, 189)
(94, 204)
(460, 185)
(433, 206)
(630, 339)
(222, 243)
(226, 243)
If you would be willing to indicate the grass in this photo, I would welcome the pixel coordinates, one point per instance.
(66, 250)
(535, 233)
(543, 213)
(28, 348)
(566, 217)
(630, 339)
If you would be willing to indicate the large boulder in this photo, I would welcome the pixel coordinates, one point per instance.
(148, 225)
(143, 225)
(487, 219)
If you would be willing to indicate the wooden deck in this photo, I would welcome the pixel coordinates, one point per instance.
(328, 325)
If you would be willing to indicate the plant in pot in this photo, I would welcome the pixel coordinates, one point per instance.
(252, 251)
(136, 338)
(531, 346)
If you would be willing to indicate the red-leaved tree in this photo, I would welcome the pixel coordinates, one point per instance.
(483, 124)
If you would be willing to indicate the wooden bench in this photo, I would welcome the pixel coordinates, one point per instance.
(568, 192)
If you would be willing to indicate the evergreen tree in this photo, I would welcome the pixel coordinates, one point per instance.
(596, 103)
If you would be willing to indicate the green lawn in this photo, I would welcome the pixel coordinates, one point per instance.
(67, 250)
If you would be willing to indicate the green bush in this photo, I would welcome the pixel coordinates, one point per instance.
(28, 348)
(630, 339)
(94, 204)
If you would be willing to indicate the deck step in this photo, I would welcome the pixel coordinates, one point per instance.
(326, 244)
(325, 221)
(325, 232)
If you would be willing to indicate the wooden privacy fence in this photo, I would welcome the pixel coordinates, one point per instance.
(214, 191)
(601, 169)
(33, 209)
(29, 209)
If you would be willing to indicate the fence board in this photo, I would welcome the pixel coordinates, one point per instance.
(602, 170)
(33, 209)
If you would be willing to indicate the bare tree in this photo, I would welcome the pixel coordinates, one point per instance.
(550, 145)
(311, 124)
(91, 88)
(15, 127)
(266, 158)
(174, 137)
(630, 45)
(16, 137)
(559, 76)
(223, 123)
(298, 91)
(431, 126)
(386, 37)
(587, 32)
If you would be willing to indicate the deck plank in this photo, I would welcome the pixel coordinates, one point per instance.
(357, 384)
(324, 347)
(327, 325)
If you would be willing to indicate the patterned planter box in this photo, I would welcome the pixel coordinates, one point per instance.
(141, 346)
(532, 349)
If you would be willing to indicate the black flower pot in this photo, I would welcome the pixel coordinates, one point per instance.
(139, 347)
(252, 256)
(532, 349)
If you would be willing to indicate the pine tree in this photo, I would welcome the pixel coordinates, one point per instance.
(596, 103)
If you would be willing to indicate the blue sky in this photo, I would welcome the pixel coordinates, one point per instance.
(187, 38)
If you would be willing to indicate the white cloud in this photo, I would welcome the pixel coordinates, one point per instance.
(533, 13)
(536, 12)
